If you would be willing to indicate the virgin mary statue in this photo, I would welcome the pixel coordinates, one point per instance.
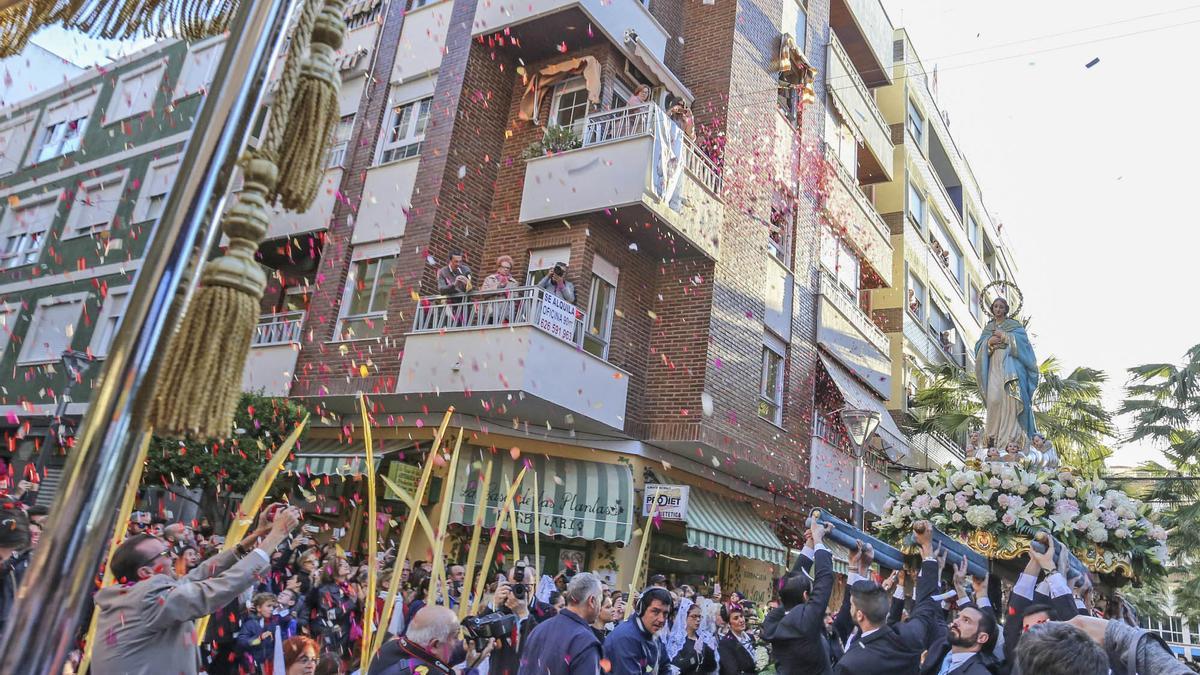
(1007, 372)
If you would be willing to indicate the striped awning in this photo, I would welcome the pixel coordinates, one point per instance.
(578, 499)
(331, 457)
(731, 527)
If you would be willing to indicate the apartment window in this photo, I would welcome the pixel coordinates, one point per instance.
(973, 300)
(789, 99)
(8, 323)
(364, 306)
(620, 95)
(916, 207)
(915, 296)
(916, 123)
(51, 330)
(14, 139)
(64, 125)
(134, 93)
(783, 217)
(949, 254)
(363, 18)
(541, 261)
(406, 130)
(108, 321)
(94, 206)
(24, 231)
(840, 261)
(569, 108)
(155, 189)
(973, 233)
(417, 4)
(199, 66)
(770, 392)
(800, 30)
(601, 303)
(61, 138)
(840, 139)
(341, 140)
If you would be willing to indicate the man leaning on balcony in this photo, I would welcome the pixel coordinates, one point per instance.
(454, 282)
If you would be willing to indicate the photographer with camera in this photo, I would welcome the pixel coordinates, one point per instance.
(565, 643)
(429, 647)
(632, 647)
(556, 283)
(515, 598)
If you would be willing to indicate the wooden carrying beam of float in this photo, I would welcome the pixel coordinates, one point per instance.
(845, 534)
(892, 558)
(1075, 567)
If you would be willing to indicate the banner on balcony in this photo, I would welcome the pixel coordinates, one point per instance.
(668, 160)
(557, 317)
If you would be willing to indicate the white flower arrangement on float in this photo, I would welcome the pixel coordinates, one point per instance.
(1010, 501)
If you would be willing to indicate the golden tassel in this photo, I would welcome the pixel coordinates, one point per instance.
(200, 376)
(314, 112)
(201, 379)
(19, 22)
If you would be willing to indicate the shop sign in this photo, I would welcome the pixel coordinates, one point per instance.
(405, 476)
(672, 501)
(557, 317)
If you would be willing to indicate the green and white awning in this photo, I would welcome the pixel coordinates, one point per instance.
(331, 457)
(578, 499)
(731, 527)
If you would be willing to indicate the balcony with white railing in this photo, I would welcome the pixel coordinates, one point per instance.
(517, 353)
(856, 215)
(843, 299)
(860, 110)
(846, 332)
(632, 160)
(273, 350)
(831, 467)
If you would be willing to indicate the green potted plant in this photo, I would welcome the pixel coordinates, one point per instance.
(556, 139)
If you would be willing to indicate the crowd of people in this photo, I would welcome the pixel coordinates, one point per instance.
(279, 602)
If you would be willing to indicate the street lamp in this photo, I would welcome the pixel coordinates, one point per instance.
(860, 426)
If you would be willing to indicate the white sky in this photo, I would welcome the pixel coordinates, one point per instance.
(1088, 169)
(1091, 171)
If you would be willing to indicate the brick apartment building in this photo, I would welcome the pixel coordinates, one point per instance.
(732, 290)
(693, 359)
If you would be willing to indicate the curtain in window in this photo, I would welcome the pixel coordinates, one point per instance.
(543, 80)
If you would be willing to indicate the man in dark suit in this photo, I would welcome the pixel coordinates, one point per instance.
(881, 649)
(796, 630)
(965, 649)
(1027, 607)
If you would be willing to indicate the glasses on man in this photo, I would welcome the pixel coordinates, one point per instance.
(165, 553)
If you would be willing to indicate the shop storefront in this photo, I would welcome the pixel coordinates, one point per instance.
(584, 508)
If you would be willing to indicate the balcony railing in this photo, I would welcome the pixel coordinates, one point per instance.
(843, 298)
(851, 184)
(825, 430)
(863, 113)
(524, 306)
(614, 125)
(278, 329)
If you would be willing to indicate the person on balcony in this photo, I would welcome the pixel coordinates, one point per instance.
(502, 278)
(681, 115)
(640, 96)
(454, 282)
(556, 283)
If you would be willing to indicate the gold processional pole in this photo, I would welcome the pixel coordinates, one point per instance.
(44, 616)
